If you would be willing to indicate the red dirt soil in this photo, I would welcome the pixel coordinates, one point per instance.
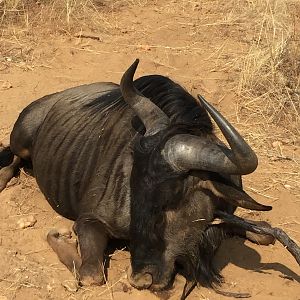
(167, 39)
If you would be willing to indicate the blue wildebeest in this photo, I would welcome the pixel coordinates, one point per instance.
(136, 161)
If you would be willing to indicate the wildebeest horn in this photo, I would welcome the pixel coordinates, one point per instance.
(186, 152)
(151, 115)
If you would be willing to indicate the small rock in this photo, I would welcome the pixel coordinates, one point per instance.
(26, 222)
(6, 85)
(144, 47)
(12, 252)
(48, 287)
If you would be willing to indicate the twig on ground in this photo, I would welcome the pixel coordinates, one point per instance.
(277, 233)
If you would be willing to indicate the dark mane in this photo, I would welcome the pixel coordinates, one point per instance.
(174, 100)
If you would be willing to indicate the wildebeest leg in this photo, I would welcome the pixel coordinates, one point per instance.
(66, 249)
(7, 172)
(140, 280)
(229, 230)
(260, 238)
(257, 238)
(251, 226)
(92, 238)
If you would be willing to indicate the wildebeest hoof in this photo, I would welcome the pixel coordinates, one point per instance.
(88, 280)
(89, 274)
(261, 239)
(65, 247)
(140, 280)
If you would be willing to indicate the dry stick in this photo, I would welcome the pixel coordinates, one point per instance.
(88, 36)
(277, 233)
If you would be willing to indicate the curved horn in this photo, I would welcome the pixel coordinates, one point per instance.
(151, 115)
(186, 152)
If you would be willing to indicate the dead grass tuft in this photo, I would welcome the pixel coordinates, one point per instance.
(62, 16)
(269, 85)
(24, 24)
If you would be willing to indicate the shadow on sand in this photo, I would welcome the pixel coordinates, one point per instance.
(236, 252)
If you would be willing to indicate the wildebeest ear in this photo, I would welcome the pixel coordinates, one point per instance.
(233, 195)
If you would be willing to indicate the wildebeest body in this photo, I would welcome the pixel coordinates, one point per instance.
(82, 147)
(140, 162)
(87, 146)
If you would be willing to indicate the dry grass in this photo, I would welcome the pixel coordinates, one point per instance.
(269, 88)
(269, 71)
(24, 22)
(269, 85)
(63, 15)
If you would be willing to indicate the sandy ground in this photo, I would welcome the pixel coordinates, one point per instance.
(176, 41)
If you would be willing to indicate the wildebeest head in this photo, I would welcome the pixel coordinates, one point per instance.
(180, 173)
